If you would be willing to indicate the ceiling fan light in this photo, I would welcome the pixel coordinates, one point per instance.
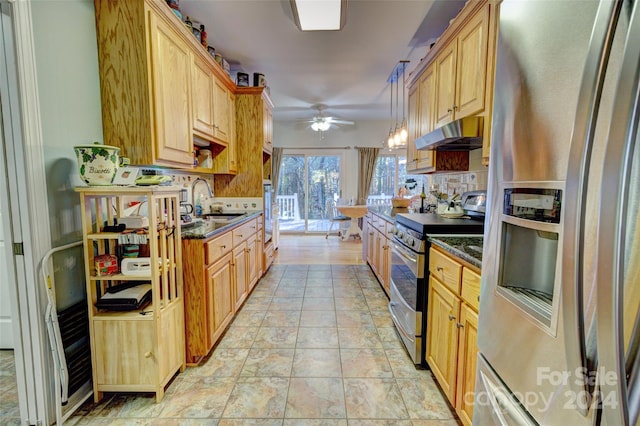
(319, 15)
(315, 126)
(324, 126)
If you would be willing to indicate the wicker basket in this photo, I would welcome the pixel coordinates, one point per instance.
(400, 202)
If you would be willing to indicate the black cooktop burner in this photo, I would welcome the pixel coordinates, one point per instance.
(431, 223)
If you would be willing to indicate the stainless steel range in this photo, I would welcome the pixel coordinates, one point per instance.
(410, 267)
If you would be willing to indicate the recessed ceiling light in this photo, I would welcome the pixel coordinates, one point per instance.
(319, 15)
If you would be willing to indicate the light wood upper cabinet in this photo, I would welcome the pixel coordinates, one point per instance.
(267, 117)
(471, 72)
(158, 85)
(203, 83)
(457, 78)
(171, 62)
(462, 70)
(425, 159)
(413, 125)
(223, 101)
(445, 84)
(145, 78)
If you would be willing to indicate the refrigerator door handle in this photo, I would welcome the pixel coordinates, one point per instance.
(620, 391)
(575, 194)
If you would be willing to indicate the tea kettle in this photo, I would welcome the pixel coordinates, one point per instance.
(451, 207)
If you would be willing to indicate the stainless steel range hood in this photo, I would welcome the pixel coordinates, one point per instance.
(464, 134)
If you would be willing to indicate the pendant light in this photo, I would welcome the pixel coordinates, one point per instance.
(397, 132)
(403, 128)
(390, 139)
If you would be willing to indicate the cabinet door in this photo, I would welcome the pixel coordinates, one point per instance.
(240, 274)
(220, 296)
(472, 65)
(232, 148)
(386, 266)
(221, 111)
(413, 125)
(252, 261)
(445, 84)
(371, 243)
(202, 94)
(467, 355)
(171, 63)
(126, 352)
(442, 336)
(267, 117)
(425, 158)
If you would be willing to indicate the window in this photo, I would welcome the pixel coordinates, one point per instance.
(389, 176)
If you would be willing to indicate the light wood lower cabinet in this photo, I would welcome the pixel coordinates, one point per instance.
(219, 296)
(378, 254)
(442, 338)
(240, 272)
(452, 328)
(467, 354)
(219, 274)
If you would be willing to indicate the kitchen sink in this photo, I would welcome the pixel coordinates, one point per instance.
(222, 216)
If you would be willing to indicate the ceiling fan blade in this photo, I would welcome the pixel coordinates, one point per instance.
(342, 122)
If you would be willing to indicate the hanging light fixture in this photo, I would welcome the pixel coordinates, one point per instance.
(390, 140)
(403, 127)
(398, 134)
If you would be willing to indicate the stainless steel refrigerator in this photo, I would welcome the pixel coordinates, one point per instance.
(559, 328)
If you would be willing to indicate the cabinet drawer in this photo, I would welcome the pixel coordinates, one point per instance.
(446, 270)
(470, 291)
(389, 229)
(243, 232)
(218, 247)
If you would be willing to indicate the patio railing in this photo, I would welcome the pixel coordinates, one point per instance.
(288, 207)
(379, 200)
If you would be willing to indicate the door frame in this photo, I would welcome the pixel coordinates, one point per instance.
(314, 152)
(25, 222)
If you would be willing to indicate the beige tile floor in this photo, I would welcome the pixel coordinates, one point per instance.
(312, 345)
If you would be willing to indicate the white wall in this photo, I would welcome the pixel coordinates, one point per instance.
(69, 90)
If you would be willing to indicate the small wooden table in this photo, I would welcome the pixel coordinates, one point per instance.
(355, 213)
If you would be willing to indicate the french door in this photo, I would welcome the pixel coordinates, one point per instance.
(307, 181)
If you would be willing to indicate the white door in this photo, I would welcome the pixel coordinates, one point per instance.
(6, 332)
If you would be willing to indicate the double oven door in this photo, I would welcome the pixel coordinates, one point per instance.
(408, 283)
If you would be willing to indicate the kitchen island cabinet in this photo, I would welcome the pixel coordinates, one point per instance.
(452, 327)
(220, 270)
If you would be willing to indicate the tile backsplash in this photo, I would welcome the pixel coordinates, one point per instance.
(457, 183)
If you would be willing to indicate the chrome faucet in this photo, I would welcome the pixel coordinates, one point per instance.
(193, 187)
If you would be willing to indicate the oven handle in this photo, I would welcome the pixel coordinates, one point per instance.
(403, 252)
(412, 339)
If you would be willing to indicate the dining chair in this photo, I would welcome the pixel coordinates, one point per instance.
(335, 216)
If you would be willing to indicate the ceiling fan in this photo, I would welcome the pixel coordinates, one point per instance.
(322, 123)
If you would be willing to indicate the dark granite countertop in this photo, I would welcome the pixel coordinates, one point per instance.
(210, 228)
(388, 212)
(467, 247)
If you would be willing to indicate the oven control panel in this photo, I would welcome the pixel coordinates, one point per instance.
(409, 238)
